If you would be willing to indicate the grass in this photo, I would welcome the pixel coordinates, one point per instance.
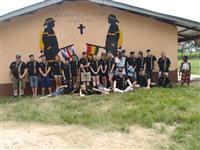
(195, 64)
(179, 106)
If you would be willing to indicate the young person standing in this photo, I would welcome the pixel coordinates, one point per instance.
(57, 71)
(66, 72)
(94, 69)
(33, 71)
(149, 60)
(85, 69)
(185, 71)
(103, 69)
(111, 67)
(164, 64)
(18, 72)
(75, 69)
(44, 69)
(131, 67)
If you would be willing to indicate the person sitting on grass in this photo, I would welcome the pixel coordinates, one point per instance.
(64, 90)
(163, 80)
(141, 79)
(185, 71)
(121, 83)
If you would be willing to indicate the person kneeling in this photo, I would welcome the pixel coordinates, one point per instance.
(121, 83)
(164, 81)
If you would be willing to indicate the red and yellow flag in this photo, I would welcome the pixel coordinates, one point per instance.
(92, 49)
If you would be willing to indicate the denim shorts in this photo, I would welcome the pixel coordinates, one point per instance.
(45, 82)
(33, 80)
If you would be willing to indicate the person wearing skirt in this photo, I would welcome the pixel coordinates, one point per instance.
(185, 71)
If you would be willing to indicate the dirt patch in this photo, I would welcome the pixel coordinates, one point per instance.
(39, 136)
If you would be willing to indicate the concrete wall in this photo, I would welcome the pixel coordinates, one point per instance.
(21, 35)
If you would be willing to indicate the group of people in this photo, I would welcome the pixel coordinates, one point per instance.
(90, 75)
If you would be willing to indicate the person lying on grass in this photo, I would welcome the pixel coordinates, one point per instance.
(62, 90)
(88, 90)
(121, 83)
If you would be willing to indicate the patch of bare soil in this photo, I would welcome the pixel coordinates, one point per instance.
(39, 136)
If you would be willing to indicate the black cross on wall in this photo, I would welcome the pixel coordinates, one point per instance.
(81, 27)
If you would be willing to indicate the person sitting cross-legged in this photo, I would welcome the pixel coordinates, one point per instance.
(121, 83)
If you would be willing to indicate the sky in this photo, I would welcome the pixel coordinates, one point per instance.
(188, 9)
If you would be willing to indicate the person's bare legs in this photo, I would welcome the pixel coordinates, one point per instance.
(56, 82)
(97, 79)
(43, 91)
(94, 81)
(49, 89)
(118, 90)
(59, 81)
(149, 83)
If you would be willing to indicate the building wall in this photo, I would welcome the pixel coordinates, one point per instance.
(21, 35)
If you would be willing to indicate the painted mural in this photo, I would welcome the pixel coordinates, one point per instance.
(49, 44)
(113, 36)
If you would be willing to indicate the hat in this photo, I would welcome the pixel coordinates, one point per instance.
(113, 17)
(18, 56)
(48, 20)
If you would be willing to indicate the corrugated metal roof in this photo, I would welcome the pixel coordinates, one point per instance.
(187, 29)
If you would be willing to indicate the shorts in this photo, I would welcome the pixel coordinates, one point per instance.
(45, 82)
(85, 76)
(33, 80)
(149, 74)
(15, 84)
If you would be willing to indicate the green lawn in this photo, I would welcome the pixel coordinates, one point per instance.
(195, 64)
(179, 107)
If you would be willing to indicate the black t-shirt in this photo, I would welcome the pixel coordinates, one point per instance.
(57, 67)
(164, 64)
(74, 68)
(17, 68)
(66, 67)
(84, 62)
(103, 63)
(33, 68)
(121, 82)
(110, 63)
(44, 66)
(132, 61)
(142, 81)
(149, 60)
(140, 63)
(94, 64)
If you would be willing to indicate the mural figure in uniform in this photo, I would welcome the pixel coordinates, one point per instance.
(49, 40)
(113, 36)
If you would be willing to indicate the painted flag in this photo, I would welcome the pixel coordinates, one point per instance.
(92, 49)
(41, 42)
(120, 41)
(68, 52)
(64, 53)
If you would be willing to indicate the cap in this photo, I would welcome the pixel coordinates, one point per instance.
(48, 20)
(113, 17)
